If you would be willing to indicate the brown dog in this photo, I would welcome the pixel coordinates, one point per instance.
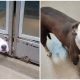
(64, 27)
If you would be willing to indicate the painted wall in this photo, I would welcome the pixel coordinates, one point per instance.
(71, 8)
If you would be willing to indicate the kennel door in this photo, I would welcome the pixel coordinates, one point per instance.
(6, 11)
(27, 44)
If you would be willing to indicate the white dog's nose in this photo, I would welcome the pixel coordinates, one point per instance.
(3, 47)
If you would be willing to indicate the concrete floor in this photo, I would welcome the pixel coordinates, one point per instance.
(63, 70)
(11, 68)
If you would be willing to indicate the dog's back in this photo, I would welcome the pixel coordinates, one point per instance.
(53, 21)
(56, 22)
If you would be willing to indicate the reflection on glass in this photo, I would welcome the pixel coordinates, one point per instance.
(2, 14)
(31, 18)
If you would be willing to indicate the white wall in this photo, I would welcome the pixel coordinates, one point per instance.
(71, 8)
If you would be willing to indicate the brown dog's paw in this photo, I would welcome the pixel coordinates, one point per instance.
(75, 61)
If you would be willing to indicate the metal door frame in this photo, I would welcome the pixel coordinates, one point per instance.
(16, 30)
(10, 24)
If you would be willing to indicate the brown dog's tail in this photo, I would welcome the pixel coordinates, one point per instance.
(49, 36)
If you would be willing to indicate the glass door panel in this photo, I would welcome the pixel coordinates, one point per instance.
(2, 14)
(31, 18)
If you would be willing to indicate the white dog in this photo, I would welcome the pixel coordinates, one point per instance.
(3, 46)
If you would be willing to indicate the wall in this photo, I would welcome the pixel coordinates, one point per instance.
(71, 8)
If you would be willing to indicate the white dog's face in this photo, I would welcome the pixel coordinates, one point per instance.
(77, 39)
(3, 46)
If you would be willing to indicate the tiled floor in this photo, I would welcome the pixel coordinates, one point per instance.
(11, 68)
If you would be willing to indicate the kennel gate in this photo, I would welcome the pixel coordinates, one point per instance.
(21, 33)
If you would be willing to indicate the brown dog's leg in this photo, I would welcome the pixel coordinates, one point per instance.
(43, 41)
(73, 55)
